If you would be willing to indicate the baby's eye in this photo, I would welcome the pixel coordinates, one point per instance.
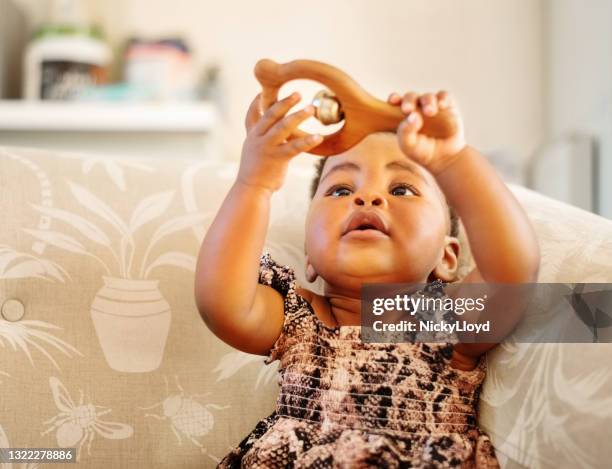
(403, 189)
(339, 191)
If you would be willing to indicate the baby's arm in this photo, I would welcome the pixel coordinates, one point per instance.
(502, 240)
(239, 310)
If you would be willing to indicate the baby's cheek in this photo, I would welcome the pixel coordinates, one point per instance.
(421, 240)
(319, 241)
(322, 226)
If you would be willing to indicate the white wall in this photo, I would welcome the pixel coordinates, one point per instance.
(487, 52)
(579, 80)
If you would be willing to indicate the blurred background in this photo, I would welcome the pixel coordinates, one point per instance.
(174, 78)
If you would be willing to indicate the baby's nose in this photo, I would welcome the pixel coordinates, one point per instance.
(367, 199)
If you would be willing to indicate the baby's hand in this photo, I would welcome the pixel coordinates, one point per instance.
(433, 153)
(268, 147)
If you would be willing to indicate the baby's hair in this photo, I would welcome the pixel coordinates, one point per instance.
(454, 219)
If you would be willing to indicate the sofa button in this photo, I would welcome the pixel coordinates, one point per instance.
(13, 310)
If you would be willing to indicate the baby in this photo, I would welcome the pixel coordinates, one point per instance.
(380, 212)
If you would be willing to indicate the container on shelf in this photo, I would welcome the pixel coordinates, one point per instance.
(65, 55)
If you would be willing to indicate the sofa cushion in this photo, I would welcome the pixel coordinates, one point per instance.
(100, 253)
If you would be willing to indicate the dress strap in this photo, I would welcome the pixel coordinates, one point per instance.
(281, 278)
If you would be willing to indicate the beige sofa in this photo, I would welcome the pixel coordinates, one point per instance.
(102, 347)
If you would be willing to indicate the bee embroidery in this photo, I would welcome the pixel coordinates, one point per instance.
(187, 416)
(75, 424)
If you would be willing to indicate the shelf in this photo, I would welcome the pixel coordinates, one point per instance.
(41, 116)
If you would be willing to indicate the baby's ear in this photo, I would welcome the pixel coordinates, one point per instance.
(448, 266)
(311, 274)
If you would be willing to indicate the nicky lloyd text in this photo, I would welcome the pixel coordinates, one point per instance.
(431, 326)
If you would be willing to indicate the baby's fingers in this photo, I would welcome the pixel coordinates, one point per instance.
(429, 104)
(299, 145)
(409, 128)
(409, 102)
(285, 127)
(253, 114)
(394, 98)
(276, 112)
(445, 100)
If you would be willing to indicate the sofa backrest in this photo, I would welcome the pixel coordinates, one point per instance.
(103, 349)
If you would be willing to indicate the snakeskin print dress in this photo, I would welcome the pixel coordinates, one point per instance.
(344, 403)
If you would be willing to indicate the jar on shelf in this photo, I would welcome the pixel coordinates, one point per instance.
(62, 60)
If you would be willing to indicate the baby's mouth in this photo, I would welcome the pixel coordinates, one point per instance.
(366, 224)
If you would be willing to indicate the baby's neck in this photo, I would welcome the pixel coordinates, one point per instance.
(344, 312)
(342, 305)
(345, 307)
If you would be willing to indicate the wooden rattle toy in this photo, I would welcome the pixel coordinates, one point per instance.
(346, 101)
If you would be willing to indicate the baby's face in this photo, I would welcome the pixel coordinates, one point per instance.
(375, 185)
